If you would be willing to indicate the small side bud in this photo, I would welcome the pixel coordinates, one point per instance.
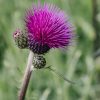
(20, 39)
(39, 61)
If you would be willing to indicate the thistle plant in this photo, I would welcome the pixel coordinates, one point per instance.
(46, 27)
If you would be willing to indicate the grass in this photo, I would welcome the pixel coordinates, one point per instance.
(77, 63)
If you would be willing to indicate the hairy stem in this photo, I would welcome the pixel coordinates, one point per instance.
(26, 78)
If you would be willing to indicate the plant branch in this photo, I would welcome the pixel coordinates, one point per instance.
(26, 78)
(59, 74)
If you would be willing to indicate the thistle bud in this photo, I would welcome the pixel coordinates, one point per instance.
(39, 61)
(20, 39)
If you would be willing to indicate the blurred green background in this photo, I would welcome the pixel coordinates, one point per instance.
(80, 63)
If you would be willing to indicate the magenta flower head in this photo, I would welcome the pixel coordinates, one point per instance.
(47, 27)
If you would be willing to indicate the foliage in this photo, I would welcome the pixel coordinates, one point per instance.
(76, 63)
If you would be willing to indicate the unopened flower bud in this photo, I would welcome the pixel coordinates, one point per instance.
(20, 39)
(39, 61)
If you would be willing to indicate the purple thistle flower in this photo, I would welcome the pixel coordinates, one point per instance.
(47, 27)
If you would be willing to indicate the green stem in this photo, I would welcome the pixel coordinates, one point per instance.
(26, 78)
